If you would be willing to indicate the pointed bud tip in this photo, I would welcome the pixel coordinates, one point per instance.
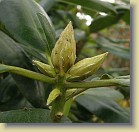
(70, 23)
(106, 53)
(34, 61)
(69, 26)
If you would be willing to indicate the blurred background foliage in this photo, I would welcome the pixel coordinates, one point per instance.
(100, 26)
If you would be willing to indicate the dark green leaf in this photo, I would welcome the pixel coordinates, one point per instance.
(107, 109)
(122, 8)
(102, 22)
(106, 76)
(96, 5)
(23, 24)
(8, 89)
(47, 4)
(123, 77)
(92, 13)
(123, 80)
(12, 54)
(34, 54)
(10, 96)
(112, 48)
(48, 30)
(126, 17)
(126, 10)
(105, 92)
(28, 116)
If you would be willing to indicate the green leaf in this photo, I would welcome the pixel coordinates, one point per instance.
(106, 76)
(108, 110)
(122, 8)
(102, 22)
(48, 30)
(121, 80)
(96, 5)
(124, 82)
(123, 77)
(126, 10)
(5, 85)
(10, 96)
(126, 17)
(24, 26)
(113, 48)
(105, 92)
(28, 116)
(47, 4)
(35, 54)
(12, 54)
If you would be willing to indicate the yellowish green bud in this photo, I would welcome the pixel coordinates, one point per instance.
(85, 68)
(69, 92)
(64, 53)
(45, 69)
(53, 95)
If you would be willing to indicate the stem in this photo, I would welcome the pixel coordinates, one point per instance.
(58, 103)
(67, 106)
(92, 84)
(28, 73)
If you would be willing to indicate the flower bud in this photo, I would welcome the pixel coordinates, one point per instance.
(45, 69)
(53, 95)
(64, 53)
(85, 68)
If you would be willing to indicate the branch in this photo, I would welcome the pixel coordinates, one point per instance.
(26, 73)
(93, 84)
(83, 86)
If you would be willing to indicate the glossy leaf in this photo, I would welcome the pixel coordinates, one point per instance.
(121, 80)
(122, 8)
(12, 54)
(47, 4)
(48, 31)
(112, 48)
(106, 76)
(35, 54)
(126, 10)
(105, 92)
(126, 17)
(107, 109)
(28, 115)
(23, 24)
(10, 96)
(8, 89)
(102, 22)
(96, 5)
